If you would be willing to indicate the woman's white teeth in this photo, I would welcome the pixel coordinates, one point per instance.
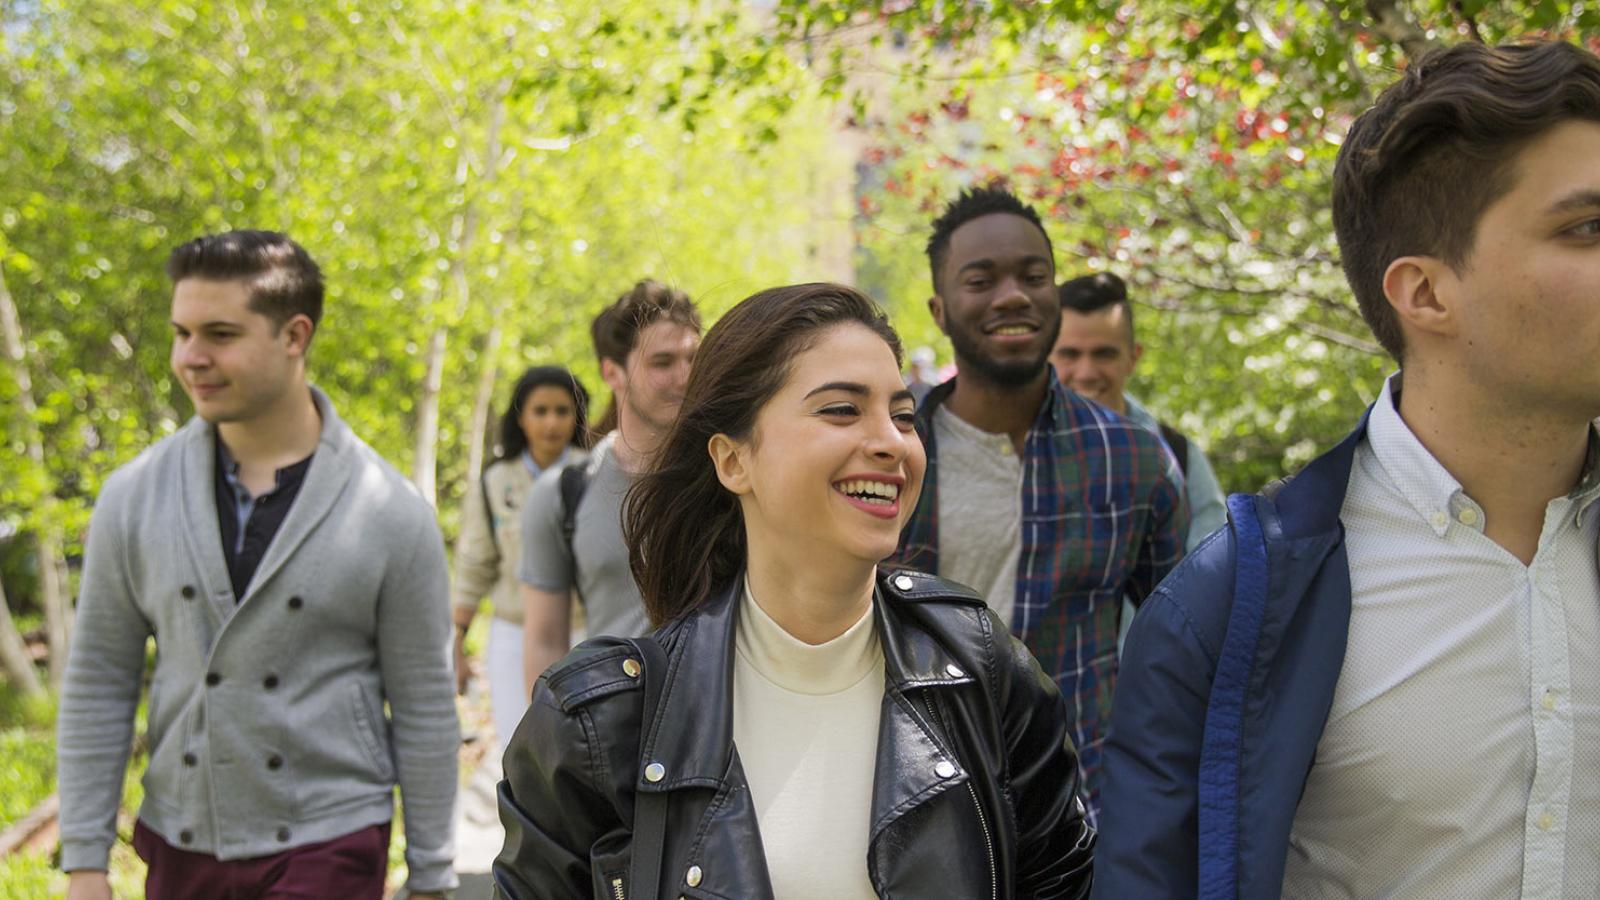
(870, 491)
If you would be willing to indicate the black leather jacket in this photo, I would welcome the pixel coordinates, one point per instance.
(1005, 822)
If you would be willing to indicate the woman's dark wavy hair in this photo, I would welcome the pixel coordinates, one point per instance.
(684, 530)
(512, 440)
(1417, 171)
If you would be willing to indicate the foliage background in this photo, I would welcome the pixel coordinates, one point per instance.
(478, 177)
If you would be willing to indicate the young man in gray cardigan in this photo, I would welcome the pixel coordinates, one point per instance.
(293, 582)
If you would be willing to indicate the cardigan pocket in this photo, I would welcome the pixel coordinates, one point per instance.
(371, 738)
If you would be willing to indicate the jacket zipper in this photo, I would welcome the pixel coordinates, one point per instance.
(616, 890)
(988, 841)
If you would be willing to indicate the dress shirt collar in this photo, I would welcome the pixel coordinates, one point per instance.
(1431, 490)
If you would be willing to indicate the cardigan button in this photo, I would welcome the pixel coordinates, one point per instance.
(213, 679)
(693, 876)
(189, 759)
(187, 592)
(296, 603)
(186, 836)
(269, 682)
(283, 835)
(274, 762)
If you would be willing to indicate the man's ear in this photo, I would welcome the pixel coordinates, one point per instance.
(729, 457)
(298, 331)
(936, 310)
(1138, 351)
(614, 375)
(1421, 290)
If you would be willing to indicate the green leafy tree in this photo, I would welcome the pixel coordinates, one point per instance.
(1187, 147)
(476, 180)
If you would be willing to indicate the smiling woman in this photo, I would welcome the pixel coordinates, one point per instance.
(801, 724)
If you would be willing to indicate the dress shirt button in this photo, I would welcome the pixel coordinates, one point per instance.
(903, 582)
(187, 591)
(186, 836)
(630, 668)
(274, 762)
(283, 835)
(1467, 516)
(1547, 822)
(654, 772)
(1006, 449)
(954, 671)
(1549, 701)
(189, 759)
(945, 769)
(296, 603)
(269, 682)
(693, 876)
(1439, 520)
(213, 679)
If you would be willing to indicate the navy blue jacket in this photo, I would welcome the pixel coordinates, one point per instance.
(1227, 679)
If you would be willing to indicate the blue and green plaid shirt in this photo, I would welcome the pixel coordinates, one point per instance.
(1103, 517)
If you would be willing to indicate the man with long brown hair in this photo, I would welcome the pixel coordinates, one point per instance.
(1383, 679)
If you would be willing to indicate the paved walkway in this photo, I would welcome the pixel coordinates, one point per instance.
(478, 832)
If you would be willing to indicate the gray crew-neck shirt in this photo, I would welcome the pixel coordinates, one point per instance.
(611, 601)
(980, 510)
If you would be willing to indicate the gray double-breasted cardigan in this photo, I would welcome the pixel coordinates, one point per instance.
(267, 721)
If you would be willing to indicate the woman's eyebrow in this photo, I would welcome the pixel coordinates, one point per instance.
(849, 387)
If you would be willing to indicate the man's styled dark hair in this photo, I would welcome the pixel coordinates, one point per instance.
(975, 204)
(282, 279)
(616, 330)
(1418, 169)
(1092, 293)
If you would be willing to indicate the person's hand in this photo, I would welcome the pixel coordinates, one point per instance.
(88, 884)
(464, 671)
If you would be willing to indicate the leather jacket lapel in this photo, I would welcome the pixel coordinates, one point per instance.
(915, 759)
(691, 733)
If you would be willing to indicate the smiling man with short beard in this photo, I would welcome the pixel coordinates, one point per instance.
(1046, 503)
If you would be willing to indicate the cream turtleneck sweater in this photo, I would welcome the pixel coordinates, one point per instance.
(805, 722)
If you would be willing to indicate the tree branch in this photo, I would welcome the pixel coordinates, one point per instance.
(1395, 23)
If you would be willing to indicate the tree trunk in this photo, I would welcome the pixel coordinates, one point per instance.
(424, 465)
(482, 414)
(14, 653)
(46, 531)
(423, 472)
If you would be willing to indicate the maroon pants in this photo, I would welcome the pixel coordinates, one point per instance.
(348, 868)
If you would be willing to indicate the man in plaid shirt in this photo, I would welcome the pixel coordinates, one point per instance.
(1052, 506)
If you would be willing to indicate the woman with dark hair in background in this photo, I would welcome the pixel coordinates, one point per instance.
(544, 427)
(800, 725)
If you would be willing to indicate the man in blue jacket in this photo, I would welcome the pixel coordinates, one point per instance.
(1383, 679)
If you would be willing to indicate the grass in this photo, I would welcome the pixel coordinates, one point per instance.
(28, 748)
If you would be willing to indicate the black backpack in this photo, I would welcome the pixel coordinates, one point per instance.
(1179, 445)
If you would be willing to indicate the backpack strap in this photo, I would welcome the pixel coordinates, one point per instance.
(1221, 747)
(488, 511)
(574, 482)
(649, 807)
(1178, 444)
